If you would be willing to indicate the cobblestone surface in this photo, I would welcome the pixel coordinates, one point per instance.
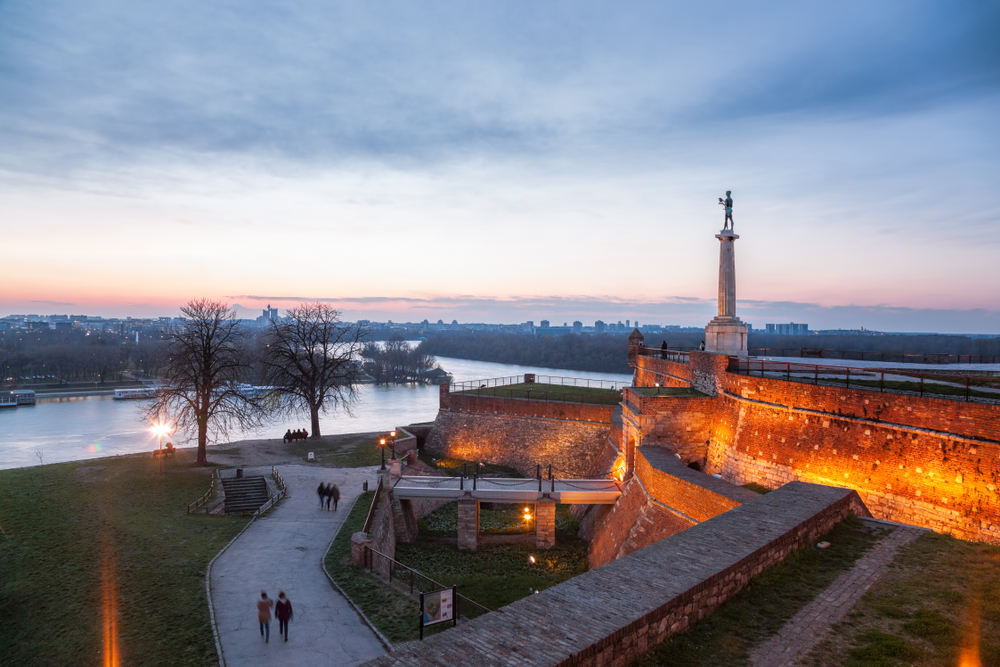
(806, 628)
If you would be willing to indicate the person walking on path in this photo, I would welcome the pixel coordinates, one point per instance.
(335, 494)
(329, 496)
(264, 616)
(321, 491)
(283, 612)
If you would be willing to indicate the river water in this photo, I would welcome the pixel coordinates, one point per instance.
(68, 429)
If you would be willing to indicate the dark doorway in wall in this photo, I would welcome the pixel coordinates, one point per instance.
(694, 465)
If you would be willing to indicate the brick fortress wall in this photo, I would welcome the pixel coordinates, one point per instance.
(520, 433)
(924, 461)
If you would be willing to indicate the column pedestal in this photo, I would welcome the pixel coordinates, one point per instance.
(726, 335)
(468, 522)
(545, 523)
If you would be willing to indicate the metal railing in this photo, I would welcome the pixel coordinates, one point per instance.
(560, 380)
(670, 354)
(380, 563)
(279, 481)
(891, 357)
(956, 387)
(206, 496)
(374, 507)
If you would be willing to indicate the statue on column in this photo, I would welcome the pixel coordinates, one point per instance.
(728, 203)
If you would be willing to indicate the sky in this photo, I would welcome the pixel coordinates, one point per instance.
(503, 161)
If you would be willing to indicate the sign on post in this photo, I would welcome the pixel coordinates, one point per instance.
(438, 607)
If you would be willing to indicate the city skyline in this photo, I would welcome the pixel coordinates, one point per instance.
(504, 163)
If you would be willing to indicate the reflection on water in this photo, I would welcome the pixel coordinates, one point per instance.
(66, 429)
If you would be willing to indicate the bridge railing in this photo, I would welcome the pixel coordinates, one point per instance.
(405, 576)
(900, 381)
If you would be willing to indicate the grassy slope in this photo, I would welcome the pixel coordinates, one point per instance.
(727, 636)
(66, 522)
(494, 575)
(551, 392)
(924, 609)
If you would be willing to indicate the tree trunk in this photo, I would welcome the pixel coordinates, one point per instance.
(314, 413)
(202, 442)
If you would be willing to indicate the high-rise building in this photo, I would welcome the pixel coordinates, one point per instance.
(790, 329)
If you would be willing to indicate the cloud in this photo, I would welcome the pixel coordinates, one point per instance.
(51, 303)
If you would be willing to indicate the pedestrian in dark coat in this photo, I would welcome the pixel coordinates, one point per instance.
(321, 492)
(335, 494)
(283, 612)
(329, 496)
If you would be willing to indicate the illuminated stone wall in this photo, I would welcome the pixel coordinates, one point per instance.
(924, 461)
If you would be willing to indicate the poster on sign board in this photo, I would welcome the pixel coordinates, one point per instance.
(438, 606)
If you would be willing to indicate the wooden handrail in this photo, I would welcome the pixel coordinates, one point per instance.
(371, 510)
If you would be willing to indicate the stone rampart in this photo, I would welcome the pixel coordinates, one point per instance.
(521, 433)
(611, 615)
(682, 424)
(924, 461)
(650, 370)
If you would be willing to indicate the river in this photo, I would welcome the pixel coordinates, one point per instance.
(69, 429)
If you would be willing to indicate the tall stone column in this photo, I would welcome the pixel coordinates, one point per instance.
(726, 333)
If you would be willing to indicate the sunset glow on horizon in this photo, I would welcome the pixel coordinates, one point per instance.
(503, 163)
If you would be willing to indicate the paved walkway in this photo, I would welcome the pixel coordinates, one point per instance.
(282, 552)
(805, 629)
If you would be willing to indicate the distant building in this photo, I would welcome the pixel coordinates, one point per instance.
(577, 326)
(600, 326)
(544, 324)
(790, 329)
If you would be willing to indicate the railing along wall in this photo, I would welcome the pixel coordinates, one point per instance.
(891, 357)
(207, 495)
(279, 480)
(560, 380)
(955, 387)
(675, 355)
(376, 561)
(370, 519)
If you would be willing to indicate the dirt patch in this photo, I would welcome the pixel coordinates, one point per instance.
(332, 451)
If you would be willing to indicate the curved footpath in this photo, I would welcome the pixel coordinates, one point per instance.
(282, 551)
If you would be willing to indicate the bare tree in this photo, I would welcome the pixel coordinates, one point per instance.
(202, 388)
(311, 357)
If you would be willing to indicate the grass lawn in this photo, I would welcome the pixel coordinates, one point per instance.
(551, 392)
(507, 519)
(938, 596)
(343, 452)
(727, 636)
(68, 524)
(494, 575)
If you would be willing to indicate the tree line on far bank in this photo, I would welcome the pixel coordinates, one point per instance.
(608, 353)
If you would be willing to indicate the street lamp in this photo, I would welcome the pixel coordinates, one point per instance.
(382, 443)
(392, 435)
(160, 430)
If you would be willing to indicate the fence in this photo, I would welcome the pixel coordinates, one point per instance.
(673, 354)
(378, 562)
(560, 380)
(955, 387)
(279, 481)
(516, 387)
(207, 495)
(370, 519)
(892, 357)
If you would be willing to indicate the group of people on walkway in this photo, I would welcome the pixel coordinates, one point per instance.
(297, 434)
(282, 611)
(328, 493)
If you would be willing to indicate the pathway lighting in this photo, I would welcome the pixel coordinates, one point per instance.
(527, 514)
(160, 430)
(531, 560)
(392, 436)
(381, 442)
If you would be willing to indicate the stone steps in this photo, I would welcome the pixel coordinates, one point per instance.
(245, 494)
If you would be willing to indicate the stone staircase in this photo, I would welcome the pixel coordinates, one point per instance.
(244, 494)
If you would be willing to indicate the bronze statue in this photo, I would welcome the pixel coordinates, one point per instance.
(728, 203)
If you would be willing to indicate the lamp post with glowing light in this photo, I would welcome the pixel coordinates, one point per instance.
(160, 430)
(381, 442)
(392, 440)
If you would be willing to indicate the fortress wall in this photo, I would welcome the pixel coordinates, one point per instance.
(707, 370)
(520, 433)
(632, 523)
(695, 494)
(905, 468)
(682, 424)
(613, 614)
(650, 370)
